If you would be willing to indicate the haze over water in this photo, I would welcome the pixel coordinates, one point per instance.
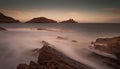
(20, 39)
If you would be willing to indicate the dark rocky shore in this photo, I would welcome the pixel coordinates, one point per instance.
(110, 46)
(50, 58)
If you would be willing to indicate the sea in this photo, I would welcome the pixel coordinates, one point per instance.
(72, 39)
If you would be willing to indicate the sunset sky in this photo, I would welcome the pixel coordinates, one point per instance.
(80, 10)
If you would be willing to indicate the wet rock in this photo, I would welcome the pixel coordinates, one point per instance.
(110, 62)
(33, 52)
(41, 20)
(23, 66)
(110, 46)
(62, 38)
(2, 29)
(51, 29)
(36, 50)
(75, 41)
(50, 58)
(34, 65)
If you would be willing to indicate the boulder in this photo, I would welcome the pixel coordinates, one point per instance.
(2, 29)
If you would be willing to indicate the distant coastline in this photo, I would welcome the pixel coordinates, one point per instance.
(7, 19)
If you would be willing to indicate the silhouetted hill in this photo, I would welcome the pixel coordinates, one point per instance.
(69, 21)
(41, 20)
(7, 19)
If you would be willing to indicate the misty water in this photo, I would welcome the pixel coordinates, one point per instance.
(16, 43)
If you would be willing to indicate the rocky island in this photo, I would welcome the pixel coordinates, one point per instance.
(7, 19)
(41, 20)
(69, 21)
(50, 58)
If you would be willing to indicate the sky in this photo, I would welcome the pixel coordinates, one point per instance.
(79, 10)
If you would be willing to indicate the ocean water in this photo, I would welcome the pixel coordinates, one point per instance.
(16, 43)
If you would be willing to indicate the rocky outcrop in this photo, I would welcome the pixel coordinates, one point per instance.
(41, 20)
(7, 19)
(2, 29)
(51, 29)
(69, 21)
(75, 41)
(50, 58)
(23, 66)
(109, 50)
(109, 45)
(62, 38)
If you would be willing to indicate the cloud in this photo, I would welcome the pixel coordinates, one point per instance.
(112, 10)
(112, 14)
(108, 15)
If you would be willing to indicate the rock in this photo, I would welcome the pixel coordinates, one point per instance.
(112, 63)
(22, 66)
(7, 19)
(69, 21)
(111, 46)
(50, 58)
(62, 38)
(36, 50)
(75, 41)
(41, 20)
(34, 65)
(51, 29)
(33, 52)
(2, 29)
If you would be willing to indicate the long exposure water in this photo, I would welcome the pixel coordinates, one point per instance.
(17, 42)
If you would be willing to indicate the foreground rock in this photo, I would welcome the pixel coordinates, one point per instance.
(75, 41)
(7, 19)
(41, 20)
(51, 29)
(50, 58)
(109, 50)
(69, 21)
(2, 29)
(62, 38)
(108, 45)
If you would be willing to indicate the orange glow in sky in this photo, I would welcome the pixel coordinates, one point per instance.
(59, 15)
